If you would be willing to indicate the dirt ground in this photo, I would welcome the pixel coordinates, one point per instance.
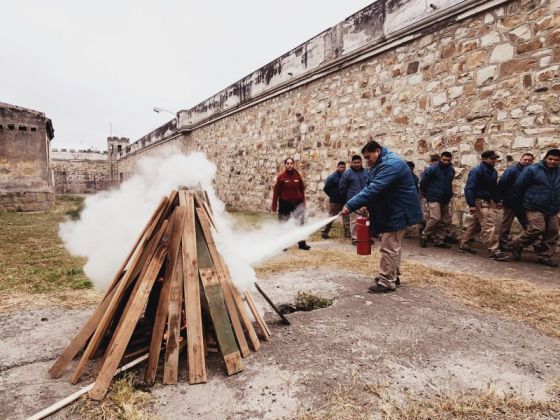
(415, 343)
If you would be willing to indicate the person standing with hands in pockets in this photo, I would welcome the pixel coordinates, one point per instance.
(289, 197)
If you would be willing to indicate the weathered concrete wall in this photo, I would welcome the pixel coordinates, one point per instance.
(468, 83)
(81, 172)
(26, 180)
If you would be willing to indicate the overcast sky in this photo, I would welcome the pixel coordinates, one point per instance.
(87, 64)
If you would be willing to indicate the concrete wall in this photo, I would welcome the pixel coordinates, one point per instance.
(475, 79)
(81, 172)
(26, 180)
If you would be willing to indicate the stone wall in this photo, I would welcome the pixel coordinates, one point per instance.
(26, 179)
(486, 81)
(81, 172)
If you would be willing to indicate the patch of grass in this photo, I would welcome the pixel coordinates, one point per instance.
(305, 301)
(250, 220)
(123, 401)
(362, 400)
(514, 299)
(33, 259)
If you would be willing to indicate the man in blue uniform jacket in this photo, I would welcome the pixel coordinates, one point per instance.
(336, 200)
(351, 183)
(485, 205)
(539, 187)
(392, 202)
(512, 205)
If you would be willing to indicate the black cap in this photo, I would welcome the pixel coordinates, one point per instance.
(489, 154)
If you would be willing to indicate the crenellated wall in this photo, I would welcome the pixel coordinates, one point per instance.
(464, 76)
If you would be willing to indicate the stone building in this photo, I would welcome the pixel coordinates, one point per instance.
(26, 178)
(420, 77)
(87, 171)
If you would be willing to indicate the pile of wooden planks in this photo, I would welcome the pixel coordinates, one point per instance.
(172, 291)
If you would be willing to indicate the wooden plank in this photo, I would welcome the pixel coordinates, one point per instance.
(285, 320)
(171, 365)
(157, 332)
(220, 320)
(80, 339)
(260, 322)
(191, 290)
(223, 277)
(129, 276)
(116, 350)
(88, 329)
(201, 201)
(144, 259)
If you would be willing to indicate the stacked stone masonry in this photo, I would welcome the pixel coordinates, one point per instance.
(26, 179)
(81, 172)
(491, 81)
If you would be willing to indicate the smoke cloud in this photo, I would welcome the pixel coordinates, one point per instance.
(112, 220)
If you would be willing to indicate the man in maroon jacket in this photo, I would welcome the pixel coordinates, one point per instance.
(289, 197)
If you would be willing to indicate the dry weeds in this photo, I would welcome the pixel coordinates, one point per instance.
(32, 257)
(513, 299)
(123, 401)
(362, 400)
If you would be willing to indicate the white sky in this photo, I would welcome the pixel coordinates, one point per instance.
(87, 64)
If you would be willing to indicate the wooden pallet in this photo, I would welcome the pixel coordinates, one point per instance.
(154, 305)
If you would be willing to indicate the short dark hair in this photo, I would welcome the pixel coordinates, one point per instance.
(410, 164)
(434, 158)
(489, 154)
(528, 154)
(356, 157)
(447, 154)
(371, 146)
(341, 163)
(289, 158)
(552, 152)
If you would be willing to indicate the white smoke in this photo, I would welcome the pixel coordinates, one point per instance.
(112, 220)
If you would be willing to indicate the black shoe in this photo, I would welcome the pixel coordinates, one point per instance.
(516, 253)
(398, 281)
(378, 288)
(466, 250)
(499, 256)
(354, 242)
(549, 262)
(305, 247)
(451, 240)
(539, 248)
(442, 245)
(423, 242)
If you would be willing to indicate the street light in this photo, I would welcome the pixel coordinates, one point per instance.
(157, 109)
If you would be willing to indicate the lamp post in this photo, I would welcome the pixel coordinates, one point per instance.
(158, 110)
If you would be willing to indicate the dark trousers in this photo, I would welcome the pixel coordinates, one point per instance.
(287, 210)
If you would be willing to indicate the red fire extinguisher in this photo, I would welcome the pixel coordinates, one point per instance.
(363, 237)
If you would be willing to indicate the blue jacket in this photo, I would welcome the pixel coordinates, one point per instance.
(332, 189)
(482, 183)
(390, 195)
(437, 183)
(505, 186)
(540, 188)
(352, 182)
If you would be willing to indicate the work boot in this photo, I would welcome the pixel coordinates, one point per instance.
(451, 240)
(499, 256)
(516, 253)
(442, 245)
(303, 245)
(382, 285)
(549, 262)
(466, 250)
(423, 242)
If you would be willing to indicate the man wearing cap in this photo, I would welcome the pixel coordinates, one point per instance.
(485, 205)
(539, 187)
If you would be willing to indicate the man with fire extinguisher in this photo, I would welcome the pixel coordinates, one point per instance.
(392, 202)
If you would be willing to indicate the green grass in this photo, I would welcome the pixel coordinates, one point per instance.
(32, 256)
